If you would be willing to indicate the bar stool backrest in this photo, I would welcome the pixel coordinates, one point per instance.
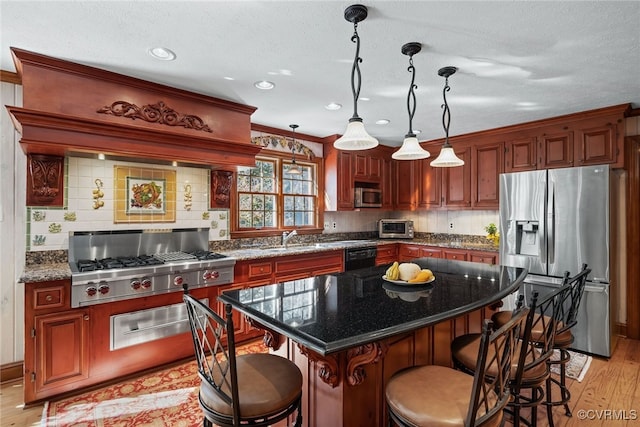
(570, 309)
(491, 393)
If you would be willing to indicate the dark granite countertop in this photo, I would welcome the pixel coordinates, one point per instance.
(332, 313)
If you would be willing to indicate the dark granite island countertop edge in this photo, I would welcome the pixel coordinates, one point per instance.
(326, 347)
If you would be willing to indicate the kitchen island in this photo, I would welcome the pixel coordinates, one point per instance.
(349, 332)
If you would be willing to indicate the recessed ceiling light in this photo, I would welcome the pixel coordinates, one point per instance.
(417, 131)
(264, 85)
(229, 78)
(333, 106)
(362, 98)
(162, 53)
(382, 122)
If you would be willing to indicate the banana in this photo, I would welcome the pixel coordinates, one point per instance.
(393, 272)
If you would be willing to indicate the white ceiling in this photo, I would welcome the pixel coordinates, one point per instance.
(518, 60)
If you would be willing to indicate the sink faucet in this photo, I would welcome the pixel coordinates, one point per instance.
(286, 236)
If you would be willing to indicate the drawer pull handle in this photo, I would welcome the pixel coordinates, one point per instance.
(48, 298)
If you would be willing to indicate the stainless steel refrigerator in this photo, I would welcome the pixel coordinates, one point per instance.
(555, 220)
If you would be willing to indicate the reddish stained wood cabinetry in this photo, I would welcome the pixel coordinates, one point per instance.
(556, 150)
(487, 165)
(387, 254)
(456, 182)
(521, 154)
(596, 145)
(408, 252)
(405, 185)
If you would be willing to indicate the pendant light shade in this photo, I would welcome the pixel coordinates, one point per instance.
(294, 169)
(447, 157)
(411, 149)
(355, 137)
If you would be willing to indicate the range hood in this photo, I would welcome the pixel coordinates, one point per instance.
(70, 108)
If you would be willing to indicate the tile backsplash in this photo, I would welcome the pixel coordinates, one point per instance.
(89, 205)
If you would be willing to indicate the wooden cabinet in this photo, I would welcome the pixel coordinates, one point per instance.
(387, 254)
(456, 182)
(56, 346)
(367, 167)
(486, 167)
(521, 154)
(429, 185)
(405, 188)
(346, 170)
(596, 145)
(556, 150)
(387, 184)
(61, 351)
(408, 252)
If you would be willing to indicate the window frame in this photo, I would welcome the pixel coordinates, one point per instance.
(281, 159)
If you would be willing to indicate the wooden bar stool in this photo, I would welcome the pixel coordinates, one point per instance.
(440, 396)
(252, 389)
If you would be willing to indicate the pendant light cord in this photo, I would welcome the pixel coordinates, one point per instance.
(411, 96)
(355, 71)
(446, 113)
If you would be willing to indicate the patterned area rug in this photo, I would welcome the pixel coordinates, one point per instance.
(576, 368)
(165, 398)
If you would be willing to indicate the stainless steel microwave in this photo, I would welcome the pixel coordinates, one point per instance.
(395, 229)
(367, 198)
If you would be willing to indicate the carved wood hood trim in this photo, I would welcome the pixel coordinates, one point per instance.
(73, 108)
(57, 134)
(155, 113)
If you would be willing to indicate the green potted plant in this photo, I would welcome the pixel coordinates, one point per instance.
(492, 234)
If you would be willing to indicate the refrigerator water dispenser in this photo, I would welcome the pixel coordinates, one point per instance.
(527, 242)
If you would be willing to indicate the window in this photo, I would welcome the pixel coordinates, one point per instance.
(270, 198)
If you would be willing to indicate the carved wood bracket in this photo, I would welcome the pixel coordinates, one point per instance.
(360, 356)
(45, 180)
(271, 338)
(155, 113)
(327, 366)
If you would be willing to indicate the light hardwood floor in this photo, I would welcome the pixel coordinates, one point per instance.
(610, 385)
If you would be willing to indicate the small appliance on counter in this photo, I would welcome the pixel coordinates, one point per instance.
(395, 229)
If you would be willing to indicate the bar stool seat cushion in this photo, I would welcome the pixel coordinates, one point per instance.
(433, 396)
(464, 350)
(266, 384)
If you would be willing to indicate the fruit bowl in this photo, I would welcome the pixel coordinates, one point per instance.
(405, 283)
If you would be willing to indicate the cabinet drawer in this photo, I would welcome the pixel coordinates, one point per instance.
(431, 253)
(456, 255)
(49, 297)
(260, 269)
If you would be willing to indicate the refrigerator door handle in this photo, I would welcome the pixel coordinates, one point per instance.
(551, 219)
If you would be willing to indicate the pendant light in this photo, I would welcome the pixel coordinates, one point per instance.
(355, 137)
(447, 157)
(411, 149)
(294, 169)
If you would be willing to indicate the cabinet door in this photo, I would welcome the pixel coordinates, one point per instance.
(596, 146)
(520, 155)
(405, 194)
(429, 185)
(345, 181)
(386, 184)
(556, 150)
(375, 168)
(488, 161)
(61, 349)
(457, 181)
(456, 254)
